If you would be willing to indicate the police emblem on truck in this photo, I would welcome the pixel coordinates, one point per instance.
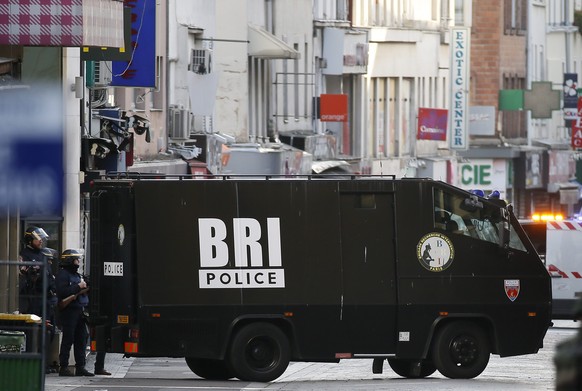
(435, 252)
(250, 269)
(511, 289)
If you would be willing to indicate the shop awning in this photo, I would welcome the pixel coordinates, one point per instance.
(561, 186)
(62, 23)
(330, 165)
(263, 44)
(493, 152)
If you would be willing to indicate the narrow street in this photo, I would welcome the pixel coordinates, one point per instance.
(530, 372)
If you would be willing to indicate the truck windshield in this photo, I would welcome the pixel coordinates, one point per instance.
(453, 216)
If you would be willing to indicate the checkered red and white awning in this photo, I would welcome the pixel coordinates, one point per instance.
(61, 23)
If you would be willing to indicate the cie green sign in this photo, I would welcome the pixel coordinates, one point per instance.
(476, 174)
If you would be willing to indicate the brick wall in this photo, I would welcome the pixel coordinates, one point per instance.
(492, 53)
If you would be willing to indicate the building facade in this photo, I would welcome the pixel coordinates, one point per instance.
(31, 58)
(300, 86)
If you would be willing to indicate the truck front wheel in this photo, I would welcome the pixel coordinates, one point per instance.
(209, 369)
(461, 350)
(259, 352)
(412, 369)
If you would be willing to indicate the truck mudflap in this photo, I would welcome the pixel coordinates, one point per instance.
(117, 339)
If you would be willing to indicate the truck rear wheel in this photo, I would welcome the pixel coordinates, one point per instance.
(259, 352)
(461, 350)
(209, 369)
(412, 369)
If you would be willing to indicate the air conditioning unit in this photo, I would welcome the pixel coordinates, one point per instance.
(102, 73)
(179, 124)
(201, 61)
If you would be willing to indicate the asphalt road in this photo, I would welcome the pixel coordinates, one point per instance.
(527, 373)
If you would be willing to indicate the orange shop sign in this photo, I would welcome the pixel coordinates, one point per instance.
(333, 108)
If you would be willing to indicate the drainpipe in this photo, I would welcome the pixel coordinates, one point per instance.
(167, 76)
(567, 35)
(270, 68)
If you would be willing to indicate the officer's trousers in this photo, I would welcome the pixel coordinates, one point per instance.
(74, 328)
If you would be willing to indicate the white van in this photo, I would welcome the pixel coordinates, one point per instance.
(559, 244)
(564, 262)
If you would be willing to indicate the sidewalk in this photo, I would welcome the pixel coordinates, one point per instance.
(114, 363)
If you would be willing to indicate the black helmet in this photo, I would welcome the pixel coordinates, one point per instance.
(50, 253)
(34, 233)
(68, 257)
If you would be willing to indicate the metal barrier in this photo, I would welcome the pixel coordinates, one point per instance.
(23, 336)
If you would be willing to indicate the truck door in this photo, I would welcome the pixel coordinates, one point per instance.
(368, 264)
(112, 297)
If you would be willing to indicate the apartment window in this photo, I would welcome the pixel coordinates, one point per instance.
(331, 10)
(434, 14)
(514, 122)
(342, 10)
(515, 17)
(558, 12)
(459, 13)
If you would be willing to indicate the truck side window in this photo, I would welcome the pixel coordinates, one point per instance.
(514, 240)
(450, 222)
(444, 217)
(481, 224)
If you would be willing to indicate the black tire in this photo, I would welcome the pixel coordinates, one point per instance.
(209, 369)
(412, 369)
(259, 352)
(461, 350)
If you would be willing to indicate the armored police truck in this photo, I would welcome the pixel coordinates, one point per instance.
(240, 276)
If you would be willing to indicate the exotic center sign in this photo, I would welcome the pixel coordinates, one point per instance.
(459, 112)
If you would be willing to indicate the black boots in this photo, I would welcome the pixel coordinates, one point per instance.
(83, 372)
(65, 371)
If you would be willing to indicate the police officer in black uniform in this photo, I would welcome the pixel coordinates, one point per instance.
(51, 255)
(72, 296)
(30, 279)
